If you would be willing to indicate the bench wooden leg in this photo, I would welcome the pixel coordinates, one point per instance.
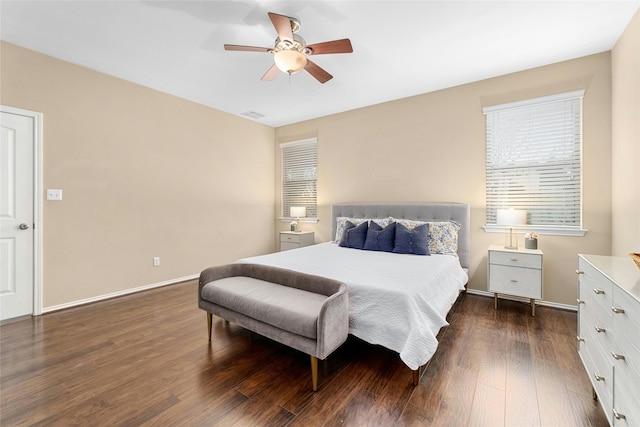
(314, 372)
(209, 320)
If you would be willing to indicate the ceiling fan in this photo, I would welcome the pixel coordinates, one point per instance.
(291, 52)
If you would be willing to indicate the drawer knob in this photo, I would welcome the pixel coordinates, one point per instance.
(617, 356)
(617, 310)
(579, 338)
(598, 377)
(598, 291)
(580, 301)
(599, 329)
(579, 272)
(618, 415)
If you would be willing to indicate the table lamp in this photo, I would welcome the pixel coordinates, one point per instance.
(297, 212)
(511, 218)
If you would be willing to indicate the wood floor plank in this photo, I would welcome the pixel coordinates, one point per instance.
(144, 359)
(488, 408)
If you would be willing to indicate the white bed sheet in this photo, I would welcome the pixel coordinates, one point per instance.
(397, 301)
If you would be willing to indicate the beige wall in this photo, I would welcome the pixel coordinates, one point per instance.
(625, 60)
(143, 174)
(432, 148)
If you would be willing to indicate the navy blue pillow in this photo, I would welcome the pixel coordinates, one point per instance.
(354, 237)
(380, 239)
(414, 241)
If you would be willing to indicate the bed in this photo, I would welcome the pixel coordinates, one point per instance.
(399, 301)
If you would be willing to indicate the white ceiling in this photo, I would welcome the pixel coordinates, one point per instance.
(401, 48)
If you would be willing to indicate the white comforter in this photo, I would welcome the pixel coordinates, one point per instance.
(397, 301)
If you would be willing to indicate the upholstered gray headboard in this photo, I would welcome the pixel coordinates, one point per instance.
(458, 212)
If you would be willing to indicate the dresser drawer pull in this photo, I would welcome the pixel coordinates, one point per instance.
(617, 356)
(598, 291)
(619, 416)
(599, 329)
(598, 377)
(579, 272)
(580, 301)
(514, 259)
(617, 310)
(579, 338)
(514, 281)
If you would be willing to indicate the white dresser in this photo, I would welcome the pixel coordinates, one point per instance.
(295, 239)
(609, 333)
(515, 272)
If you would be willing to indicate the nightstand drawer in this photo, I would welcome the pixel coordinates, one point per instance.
(295, 239)
(519, 281)
(515, 259)
(290, 238)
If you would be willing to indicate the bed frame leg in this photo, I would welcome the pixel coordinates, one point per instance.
(314, 372)
(416, 376)
(209, 320)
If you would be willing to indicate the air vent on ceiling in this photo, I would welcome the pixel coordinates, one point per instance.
(252, 114)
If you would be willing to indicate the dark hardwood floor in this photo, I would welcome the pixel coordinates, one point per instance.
(144, 359)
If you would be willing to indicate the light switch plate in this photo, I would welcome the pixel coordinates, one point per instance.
(54, 194)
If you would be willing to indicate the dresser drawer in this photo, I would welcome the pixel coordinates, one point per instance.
(627, 393)
(599, 371)
(599, 331)
(628, 348)
(519, 281)
(515, 259)
(629, 318)
(597, 296)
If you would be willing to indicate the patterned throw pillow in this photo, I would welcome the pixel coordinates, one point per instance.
(443, 235)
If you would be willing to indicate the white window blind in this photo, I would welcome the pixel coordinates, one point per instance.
(534, 159)
(299, 176)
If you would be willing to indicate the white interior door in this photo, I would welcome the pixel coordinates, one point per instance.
(16, 215)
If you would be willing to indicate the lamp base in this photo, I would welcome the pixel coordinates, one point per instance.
(510, 241)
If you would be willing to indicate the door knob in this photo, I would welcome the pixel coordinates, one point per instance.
(24, 226)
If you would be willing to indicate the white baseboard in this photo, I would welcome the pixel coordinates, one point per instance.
(117, 294)
(526, 300)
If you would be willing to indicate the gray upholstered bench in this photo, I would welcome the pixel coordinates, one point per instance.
(305, 312)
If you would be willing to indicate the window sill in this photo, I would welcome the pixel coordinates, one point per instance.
(540, 229)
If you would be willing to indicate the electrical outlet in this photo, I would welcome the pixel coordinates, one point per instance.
(53, 194)
(156, 261)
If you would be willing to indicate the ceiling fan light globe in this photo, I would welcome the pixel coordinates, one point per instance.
(290, 61)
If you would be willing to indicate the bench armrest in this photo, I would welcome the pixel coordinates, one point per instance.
(333, 323)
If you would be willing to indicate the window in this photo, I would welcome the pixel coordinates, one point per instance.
(299, 176)
(534, 161)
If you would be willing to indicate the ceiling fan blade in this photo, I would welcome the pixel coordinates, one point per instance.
(335, 46)
(246, 48)
(271, 73)
(320, 74)
(282, 25)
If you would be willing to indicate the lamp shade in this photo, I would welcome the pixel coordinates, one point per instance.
(298, 211)
(511, 217)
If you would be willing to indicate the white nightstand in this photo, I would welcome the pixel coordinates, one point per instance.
(515, 272)
(295, 239)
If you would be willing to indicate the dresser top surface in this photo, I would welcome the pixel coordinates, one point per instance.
(622, 270)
